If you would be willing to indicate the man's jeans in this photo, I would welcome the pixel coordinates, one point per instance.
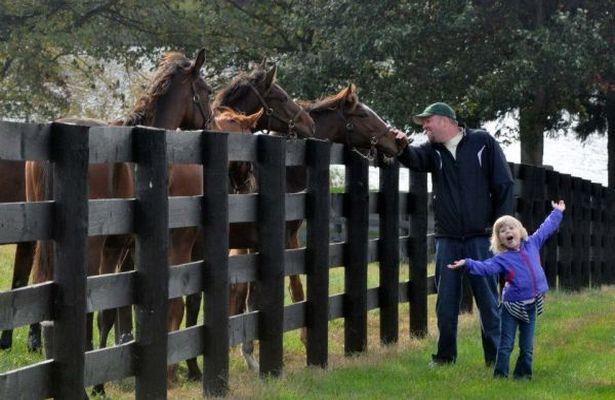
(448, 283)
(523, 368)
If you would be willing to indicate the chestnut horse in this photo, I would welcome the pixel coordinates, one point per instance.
(177, 97)
(13, 189)
(340, 118)
(251, 93)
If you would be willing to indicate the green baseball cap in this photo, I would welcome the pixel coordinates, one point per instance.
(435, 109)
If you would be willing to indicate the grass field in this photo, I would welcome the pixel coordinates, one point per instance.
(574, 358)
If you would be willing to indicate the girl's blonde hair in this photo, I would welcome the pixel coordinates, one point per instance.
(496, 245)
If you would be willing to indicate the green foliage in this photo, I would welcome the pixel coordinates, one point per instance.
(486, 57)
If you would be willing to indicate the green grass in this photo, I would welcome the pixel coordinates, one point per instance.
(574, 358)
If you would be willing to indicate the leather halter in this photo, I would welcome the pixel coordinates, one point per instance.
(348, 131)
(271, 113)
(196, 99)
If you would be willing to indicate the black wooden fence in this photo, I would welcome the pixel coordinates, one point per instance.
(579, 261)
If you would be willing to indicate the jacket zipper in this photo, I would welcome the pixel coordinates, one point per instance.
(529, 267)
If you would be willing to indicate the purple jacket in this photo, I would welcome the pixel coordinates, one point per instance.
(525, 278)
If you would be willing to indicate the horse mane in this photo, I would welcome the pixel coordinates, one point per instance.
(144, 111)
(332, 102)
(238, 88)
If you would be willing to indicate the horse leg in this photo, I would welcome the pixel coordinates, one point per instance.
(247, 347)
(176, 313)
(22, 267)
(295, 285)
(193, 306)
(180, 250)
(42, 272)
(116, 252)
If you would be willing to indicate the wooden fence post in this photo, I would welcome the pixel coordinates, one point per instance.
(356, 209)
(388, 245)
(610, 237)
(564, 267)
(70, 173)
(577, 233)
(550, 252)
(585, 233)
(215, 258)
(418, 254)
(597, 203)
(152, 279)
(318, 157)
(271, 228)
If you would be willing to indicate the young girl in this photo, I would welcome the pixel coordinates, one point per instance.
(517, 256)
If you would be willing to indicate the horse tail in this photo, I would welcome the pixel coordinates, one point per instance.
(39, 187)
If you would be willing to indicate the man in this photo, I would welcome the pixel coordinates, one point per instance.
(472, 187)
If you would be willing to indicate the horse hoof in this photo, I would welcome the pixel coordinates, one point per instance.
(252, 363)
(195, 376)
(34, 344)
(126, 337)
(6, 341)
(98, 390)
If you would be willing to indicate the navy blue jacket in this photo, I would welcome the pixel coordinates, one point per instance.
(469, 192)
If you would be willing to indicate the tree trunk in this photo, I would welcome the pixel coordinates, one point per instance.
(531, 134)
(610, 126)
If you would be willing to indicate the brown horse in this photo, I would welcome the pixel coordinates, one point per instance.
(249, 92)
(13, 189)
(177, 97)
(340, 118)
(186, 180)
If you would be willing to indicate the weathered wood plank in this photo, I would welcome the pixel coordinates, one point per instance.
(109, 144)
(243, 327)
(185, 343)
(31, 382)
(26, 305)
(25, 222)
(24, 141)
(110, 364)
(110, 291)
(111, 216)
(185, 279)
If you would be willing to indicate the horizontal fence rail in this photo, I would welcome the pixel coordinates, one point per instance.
(577, 258)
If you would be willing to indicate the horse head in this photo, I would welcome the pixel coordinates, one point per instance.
(250, 92)
(241, 173)
(178, 96)
(342, 118)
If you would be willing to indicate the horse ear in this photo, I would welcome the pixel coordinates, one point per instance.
(350, 96)
(263, 63)
(253, 118)
(270, 77)
(198, 62)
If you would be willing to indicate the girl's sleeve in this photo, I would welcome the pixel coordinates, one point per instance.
(548, 228)
(489, 266)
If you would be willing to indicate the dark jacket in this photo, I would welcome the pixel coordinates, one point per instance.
(469, 193)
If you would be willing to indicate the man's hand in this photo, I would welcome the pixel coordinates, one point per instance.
(401, 139)
(457, 264)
